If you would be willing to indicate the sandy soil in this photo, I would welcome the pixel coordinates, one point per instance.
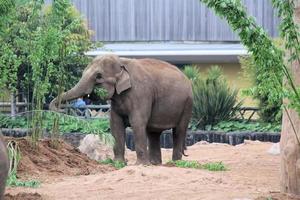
(253, 174)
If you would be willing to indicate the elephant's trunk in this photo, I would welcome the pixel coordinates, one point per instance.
(83, 87)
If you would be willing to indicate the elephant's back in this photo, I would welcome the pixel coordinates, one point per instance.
(163, 77)
(163, 72)
(158, 66)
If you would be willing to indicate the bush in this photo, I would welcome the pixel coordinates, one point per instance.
(214, 101)
(229, 126)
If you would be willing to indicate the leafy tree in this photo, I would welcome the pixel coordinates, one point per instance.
(270, 106)
(45, 45)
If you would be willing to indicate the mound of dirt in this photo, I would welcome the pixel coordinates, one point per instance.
(44, 160)
(24, 196)
(253, 174)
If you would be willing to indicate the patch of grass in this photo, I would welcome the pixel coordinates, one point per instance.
(14, 156)
(15, 182)
(114, 163)
(185, 164)
(212, 166)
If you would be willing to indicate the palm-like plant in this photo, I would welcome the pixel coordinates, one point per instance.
(214, 101)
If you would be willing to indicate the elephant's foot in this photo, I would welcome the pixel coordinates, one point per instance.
(120, 159)
(142, 162)
(142, 158)
(177, 156)
(155, 161)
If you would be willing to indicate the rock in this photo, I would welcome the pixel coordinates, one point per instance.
(94, 148)
(275, 149)
(203, 142)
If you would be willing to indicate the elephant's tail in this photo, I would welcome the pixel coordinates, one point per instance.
(184, 148)
(184, 153)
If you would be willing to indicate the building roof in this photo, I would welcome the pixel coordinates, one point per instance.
(177, 53)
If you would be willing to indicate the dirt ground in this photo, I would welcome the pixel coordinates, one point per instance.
(253, 174)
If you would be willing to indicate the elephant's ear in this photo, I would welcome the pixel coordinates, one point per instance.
(123, 80)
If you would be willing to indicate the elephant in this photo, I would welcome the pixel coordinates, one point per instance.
(4, 167)
(146, 94)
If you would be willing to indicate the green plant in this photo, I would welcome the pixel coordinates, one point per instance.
(46, 46)
(101, 92)
(15, 182)
(211, 166)
(9, 122)
(114, 163)
(14, 159)
(214, 101)
(192, 72)
(185, 164)
(229, 126)
(214, 166)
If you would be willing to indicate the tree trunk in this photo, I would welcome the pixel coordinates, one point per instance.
(290, 148)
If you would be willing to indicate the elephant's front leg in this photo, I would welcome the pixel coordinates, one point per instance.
(138, 126)
(118, 131)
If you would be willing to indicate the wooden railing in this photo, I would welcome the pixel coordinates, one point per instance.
(247, 113)
(18, 104)
(88, 111)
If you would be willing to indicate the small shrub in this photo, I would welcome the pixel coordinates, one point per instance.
(214, 101)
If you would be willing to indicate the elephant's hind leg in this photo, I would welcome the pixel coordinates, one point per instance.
(154, 148)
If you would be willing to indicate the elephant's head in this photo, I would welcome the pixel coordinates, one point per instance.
(106, 72)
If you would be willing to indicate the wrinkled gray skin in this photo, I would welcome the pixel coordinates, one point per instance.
(147, 94)
(4, 167)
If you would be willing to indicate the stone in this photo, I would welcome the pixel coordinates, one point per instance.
(94, 148)
(275, 149)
